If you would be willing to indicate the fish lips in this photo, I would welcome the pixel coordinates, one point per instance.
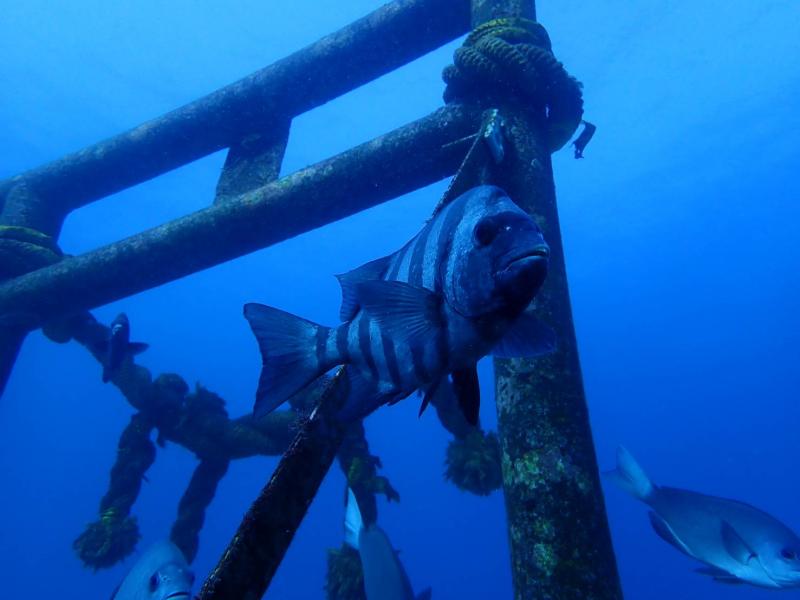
(525, 270)
(181, 594)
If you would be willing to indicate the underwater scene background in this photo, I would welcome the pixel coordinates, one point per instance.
(681, 237)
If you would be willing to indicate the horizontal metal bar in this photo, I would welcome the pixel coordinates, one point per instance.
(384, 40)
(406, 159)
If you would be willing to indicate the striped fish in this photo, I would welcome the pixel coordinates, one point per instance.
(458, 290)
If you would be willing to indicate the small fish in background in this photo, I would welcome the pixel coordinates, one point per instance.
(118, 346)
(384, 575)
(460, 289)
(738, 542)
(161, 573)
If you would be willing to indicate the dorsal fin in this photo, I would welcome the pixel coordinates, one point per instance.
(375, 269)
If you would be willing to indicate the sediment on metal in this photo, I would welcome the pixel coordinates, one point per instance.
(380, 42)
(408, 158)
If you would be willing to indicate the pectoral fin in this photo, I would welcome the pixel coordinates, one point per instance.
(372, 270)
(528, 337)
(666, 533)
(735, 545)
(468, 392)
(405, 312)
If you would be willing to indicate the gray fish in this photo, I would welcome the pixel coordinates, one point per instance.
(118, 346)
(160, 574)
(384, 575)
(738, 542)
(459, 290)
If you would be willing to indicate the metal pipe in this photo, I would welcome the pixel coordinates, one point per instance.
(384, 40)
(558, 531)
(257, 105)
(408, 158)
(254, 554)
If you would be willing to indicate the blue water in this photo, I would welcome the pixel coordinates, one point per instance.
(681, 235)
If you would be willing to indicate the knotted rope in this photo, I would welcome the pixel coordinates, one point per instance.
(515, 55)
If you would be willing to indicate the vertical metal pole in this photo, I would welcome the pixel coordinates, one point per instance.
(559, 537)
(21, 207)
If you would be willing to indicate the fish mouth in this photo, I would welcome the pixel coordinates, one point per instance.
(178, 595)
(537, 254)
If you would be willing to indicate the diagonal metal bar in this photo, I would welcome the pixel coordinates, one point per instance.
(384, 40)
(251, 559)
(406, 159)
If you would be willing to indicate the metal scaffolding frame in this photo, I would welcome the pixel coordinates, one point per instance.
(559, 538)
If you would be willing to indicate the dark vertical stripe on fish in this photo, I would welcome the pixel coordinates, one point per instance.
(365, 346)
(417, 257)
(391, 359)
(451, 220)
(341, 341)
(394, 268)
(429, 259)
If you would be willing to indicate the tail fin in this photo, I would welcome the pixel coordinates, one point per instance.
(289, 353)
(352, 521)
(631, 477)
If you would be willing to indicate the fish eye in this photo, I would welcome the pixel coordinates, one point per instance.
(153, 582)
(788, 554)
(485, 231)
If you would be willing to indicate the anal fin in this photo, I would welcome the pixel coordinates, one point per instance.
(363, 396)
(719, 575)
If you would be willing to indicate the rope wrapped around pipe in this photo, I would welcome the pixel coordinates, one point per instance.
(23, 249)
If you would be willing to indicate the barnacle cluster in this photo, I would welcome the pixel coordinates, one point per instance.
(473, 463)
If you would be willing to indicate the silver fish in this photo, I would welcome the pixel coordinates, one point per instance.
(738, 542)
(384, 575)
(458, 290)
(160, 574)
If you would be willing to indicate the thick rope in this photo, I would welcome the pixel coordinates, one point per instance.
(113, 537)
(515, 56)
(23, 250)
(192, 508)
